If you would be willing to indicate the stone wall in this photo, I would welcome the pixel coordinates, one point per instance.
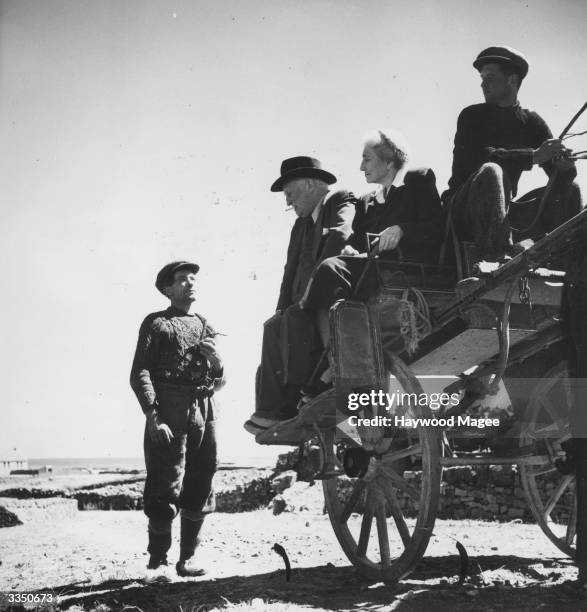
(489, 492)
(44, 509)
(492, 493)
(481, 492)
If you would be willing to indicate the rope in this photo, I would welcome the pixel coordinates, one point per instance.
(574, 135)
(553, 176)
(415, 322)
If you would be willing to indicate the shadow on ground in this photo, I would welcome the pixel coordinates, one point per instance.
(341, 588)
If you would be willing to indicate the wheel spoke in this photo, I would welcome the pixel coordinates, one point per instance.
(414, 449)
(551, 407)
(540, 470)
(358, 488)
(572, 525)
(383, 535)
(400, 483)
(549, 431)
(365, 530)
(397, 514)
(565, 482)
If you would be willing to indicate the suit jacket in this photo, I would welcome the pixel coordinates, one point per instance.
(415, 206)
(331, 233)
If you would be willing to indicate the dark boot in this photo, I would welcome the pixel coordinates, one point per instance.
(159, 544)
(189, 540)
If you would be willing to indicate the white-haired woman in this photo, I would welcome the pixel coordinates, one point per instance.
(406, 218)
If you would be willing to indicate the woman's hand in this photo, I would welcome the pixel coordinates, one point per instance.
(389, 238)
(349, 251)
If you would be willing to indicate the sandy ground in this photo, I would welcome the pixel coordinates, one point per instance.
(96, 561)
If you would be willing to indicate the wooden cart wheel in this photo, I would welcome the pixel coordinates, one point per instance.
(551, 494)
(378, 498)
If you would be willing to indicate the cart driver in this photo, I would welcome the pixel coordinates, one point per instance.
(495, 142)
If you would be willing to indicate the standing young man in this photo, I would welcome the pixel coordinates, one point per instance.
(175, 372)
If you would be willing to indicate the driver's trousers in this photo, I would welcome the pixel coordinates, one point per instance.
(480, 209)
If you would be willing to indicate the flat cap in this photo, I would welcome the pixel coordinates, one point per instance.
(503, 55)
(165, 275)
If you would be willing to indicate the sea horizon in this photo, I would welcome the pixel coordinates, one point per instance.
(131, 463)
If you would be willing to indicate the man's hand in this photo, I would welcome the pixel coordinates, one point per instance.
(550, 150)
(349, 251)
(389, 238)
(563, 163)
(208, 349)
(159, 432)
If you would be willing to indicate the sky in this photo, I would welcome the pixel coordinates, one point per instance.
(135, 133)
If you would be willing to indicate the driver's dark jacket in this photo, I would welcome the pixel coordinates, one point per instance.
(504, 135)
(415, 206)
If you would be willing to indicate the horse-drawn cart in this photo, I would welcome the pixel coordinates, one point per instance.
(495, 345)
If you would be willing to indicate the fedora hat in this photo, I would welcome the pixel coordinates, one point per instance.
(503, 55)
(301, 167)
(165, 275)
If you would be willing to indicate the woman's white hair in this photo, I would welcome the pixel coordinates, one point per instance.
(390, 145)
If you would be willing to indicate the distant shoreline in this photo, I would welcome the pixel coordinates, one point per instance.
(61, 465)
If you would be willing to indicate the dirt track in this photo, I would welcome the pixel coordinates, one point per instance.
(97, 558)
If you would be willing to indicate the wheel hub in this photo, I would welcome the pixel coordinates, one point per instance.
(355, 462)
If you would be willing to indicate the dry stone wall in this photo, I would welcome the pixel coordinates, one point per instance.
(481, 492)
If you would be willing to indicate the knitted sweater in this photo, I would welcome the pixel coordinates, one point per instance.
(168, 352)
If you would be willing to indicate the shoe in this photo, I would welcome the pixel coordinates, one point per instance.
(186, 571)
(265, 422)
(253, 429)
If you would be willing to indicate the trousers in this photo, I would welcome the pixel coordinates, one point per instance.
(179, 476)
(480, 208)
(343, 278)
(289, 354)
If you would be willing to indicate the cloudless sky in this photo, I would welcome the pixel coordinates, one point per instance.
(134, 133)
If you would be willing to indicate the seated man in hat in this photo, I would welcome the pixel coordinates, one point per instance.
(494, 143)
(175, 371)
(291, 347)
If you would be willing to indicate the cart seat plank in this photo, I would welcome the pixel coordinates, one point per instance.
(471, 347)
